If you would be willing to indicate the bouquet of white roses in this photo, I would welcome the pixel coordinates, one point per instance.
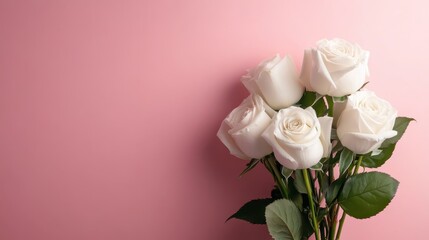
(316, 134)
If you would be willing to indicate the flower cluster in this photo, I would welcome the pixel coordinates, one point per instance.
(317, 120)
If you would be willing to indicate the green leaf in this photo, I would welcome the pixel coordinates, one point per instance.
(378, 160)
(401, 124)
(336, 155)
(276, 194)
(333, 190)
(340, 99)
(284, 220)
(320, 107)
(299, 182)
(294, 195)
(365, 195)
(318, 166)
(330, 101)
(321, 214)
(338, 146)
(249, 166)
(346, 159)
(323, 181)
(286, 172)
(314, 100)
(307, 99)
(253, 211)
(388, 145)
(307, 228)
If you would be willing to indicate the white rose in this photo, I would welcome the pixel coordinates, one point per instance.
(242, 128)
(276, 81)
(366, 122)
(298, 138)
(335, 68)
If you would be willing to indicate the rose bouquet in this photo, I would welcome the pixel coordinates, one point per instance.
(317, 134)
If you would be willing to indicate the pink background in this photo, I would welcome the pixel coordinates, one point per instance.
(109, 110)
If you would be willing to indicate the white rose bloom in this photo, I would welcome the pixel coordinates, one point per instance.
(335, 68)
(276, 81)
(366, 122)
(298, 138)
(242, 128)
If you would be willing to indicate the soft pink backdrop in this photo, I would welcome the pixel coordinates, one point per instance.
(109, 110)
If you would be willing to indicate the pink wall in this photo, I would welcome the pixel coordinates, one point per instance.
(109, 110)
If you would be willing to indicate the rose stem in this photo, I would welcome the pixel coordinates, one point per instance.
(281, 184)
(343, 217)
(334, 223)
(272, 168)
(310, 199)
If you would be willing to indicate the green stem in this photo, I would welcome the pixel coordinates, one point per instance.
(270, 164)
(358, 165)
(332, 219)
(325, 219)
(310, 199)
(334, 222)
(279, 177)
(343, 217)
(322, 230)
(340, 227)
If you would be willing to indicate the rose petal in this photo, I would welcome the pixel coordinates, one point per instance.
(307, 66)
(227, 140)
(359, 143)
(249, 139)
(365, 61)
(321, 80)
(279, 85)
(362, 143)
(325, 136)
(348, 81)
(308, 155)
(250, 84)
(295, 152)
(281, 155)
